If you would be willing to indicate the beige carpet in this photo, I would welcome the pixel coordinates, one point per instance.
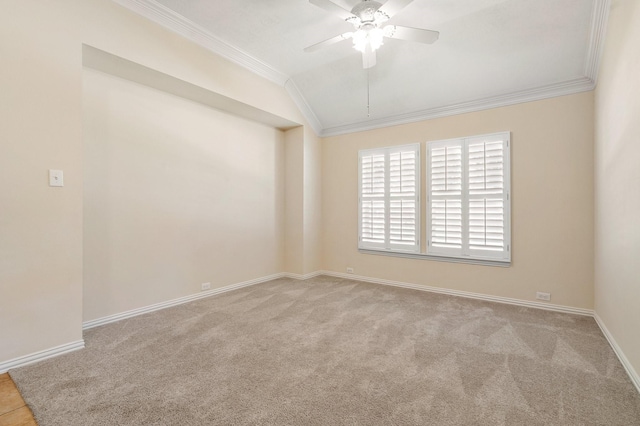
(329, 351)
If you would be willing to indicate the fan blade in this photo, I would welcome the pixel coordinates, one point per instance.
(343, 4)
(368, 58)
(391, 7)
(328, 42)
(411, 34)
(330, 6)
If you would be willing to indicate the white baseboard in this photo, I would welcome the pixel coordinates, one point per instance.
(40, 356)
(633, 375)
(302, 277)
(59, 350)
(470, 295)
(146, 309)
(179, 301)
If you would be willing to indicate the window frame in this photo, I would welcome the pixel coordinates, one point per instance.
(423, 252)
(466, 252)
(387, 245)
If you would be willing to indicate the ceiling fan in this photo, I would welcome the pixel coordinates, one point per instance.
(367, 17)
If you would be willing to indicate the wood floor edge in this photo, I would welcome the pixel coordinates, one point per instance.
(20, 414)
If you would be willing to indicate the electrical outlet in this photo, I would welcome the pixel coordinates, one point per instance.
(543, 296)
(205, 286)
(349, 270)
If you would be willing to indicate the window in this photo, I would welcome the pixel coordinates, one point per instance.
(468, 198)
(389, 199)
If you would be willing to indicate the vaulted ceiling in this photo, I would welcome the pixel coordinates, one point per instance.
(490, 53)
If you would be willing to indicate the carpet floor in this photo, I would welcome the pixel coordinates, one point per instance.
(330, 351)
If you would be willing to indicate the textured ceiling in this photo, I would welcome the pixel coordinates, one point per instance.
(490, 52)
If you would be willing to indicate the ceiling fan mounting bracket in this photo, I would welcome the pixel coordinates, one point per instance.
(368, 11)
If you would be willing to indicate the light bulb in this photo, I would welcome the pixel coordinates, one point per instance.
(375, 37)
(360, 40)
(372, 37)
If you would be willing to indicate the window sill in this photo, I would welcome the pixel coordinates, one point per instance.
(499, 263)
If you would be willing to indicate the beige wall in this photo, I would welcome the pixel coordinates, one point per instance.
(41, 110)
(294, 201)
(617, 181)
(311, 194)
(171, 191)
(552, 199)
(312, 202)
(40, 227)
(303, 198)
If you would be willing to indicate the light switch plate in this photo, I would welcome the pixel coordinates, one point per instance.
(56, 178)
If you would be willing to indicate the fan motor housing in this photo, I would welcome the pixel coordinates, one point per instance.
(366, 10)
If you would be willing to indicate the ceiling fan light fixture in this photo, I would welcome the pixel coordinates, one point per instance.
(367, 18)
(372, 37)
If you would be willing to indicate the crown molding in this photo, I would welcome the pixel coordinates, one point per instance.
(599, 19)
(169, 19)
(303, 106)
(581, 84)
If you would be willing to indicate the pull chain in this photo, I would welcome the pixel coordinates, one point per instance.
(368, 98)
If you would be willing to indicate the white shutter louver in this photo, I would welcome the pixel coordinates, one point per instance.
(402, 222)
(372, 175)
(446, 223)
(373, 221)
(389, 198)
(446, 170)
(486, 224)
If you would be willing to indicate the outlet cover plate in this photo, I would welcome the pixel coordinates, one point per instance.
(56, 178)
(543, 296)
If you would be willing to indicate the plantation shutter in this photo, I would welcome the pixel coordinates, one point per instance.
(487, 194)
(445, 197)
(468, 208)
(372, 200)
(403, 199)
(389, 198)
